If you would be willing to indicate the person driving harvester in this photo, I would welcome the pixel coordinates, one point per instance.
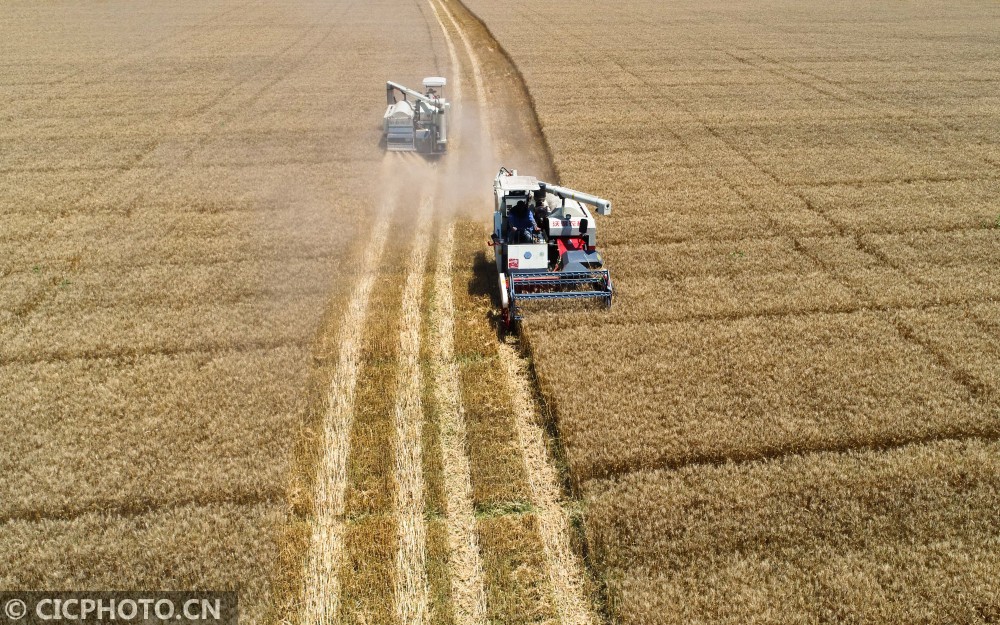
(522, 224)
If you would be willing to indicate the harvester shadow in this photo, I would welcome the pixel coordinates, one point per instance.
(483, 284)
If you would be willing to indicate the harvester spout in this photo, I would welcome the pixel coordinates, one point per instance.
(603, 206)
(431, 104)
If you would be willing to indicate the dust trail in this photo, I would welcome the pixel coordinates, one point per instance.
(477, 74)
(411, 572)
(565, 569)
(475, 134)
(469, 595)
(466, 570)
(321, 594)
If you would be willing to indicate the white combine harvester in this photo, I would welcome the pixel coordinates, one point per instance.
(419, 125)
(545, 242)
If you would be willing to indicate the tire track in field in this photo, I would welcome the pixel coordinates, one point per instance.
(411, 588)
(469, 594)
(466, 565)
(564, 569)
(321, 592)
(477, 73)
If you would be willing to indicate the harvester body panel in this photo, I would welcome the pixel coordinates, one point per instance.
(527, 257)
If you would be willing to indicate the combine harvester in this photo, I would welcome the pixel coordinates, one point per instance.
(544, 237)
(419, 125)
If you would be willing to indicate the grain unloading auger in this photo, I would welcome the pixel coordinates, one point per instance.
(545, 241)
(417, 125)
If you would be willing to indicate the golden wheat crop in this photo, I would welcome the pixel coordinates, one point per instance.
(182, 196)
(804, 248)
(890, 538)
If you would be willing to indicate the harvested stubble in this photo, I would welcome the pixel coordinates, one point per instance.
(372, 533)
(440, 609)
(498, 478)
(368, 571)
(182, 194)
(906, 536)
(805, 259)
(517, 590)
(433, 462)
(514, 567)
(440, 604)
(370, 461)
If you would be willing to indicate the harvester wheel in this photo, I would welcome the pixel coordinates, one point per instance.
(505, 304)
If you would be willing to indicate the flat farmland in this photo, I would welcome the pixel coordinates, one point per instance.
(805, 248)
(183, 186)
(244, 347)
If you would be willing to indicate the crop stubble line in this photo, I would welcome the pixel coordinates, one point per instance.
(942, 303)
(972, 385)
(477, 74)
(466, 565)
(129, 353)
(782, 452)
(430, 37)
(142, 506)
(565, 571)
(411, 571)
(321, 592)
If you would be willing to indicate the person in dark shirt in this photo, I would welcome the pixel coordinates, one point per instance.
(522, 223)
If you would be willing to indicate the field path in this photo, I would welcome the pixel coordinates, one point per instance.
(322, 590)
(467, 571)
(411, 573)
(564, 568)
(466, 574)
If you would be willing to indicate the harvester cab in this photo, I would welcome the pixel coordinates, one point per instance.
(545, 241)
(414, 121)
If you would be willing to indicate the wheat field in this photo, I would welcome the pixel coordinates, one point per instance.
(242, 347)
(791, 413)
(183, 185)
